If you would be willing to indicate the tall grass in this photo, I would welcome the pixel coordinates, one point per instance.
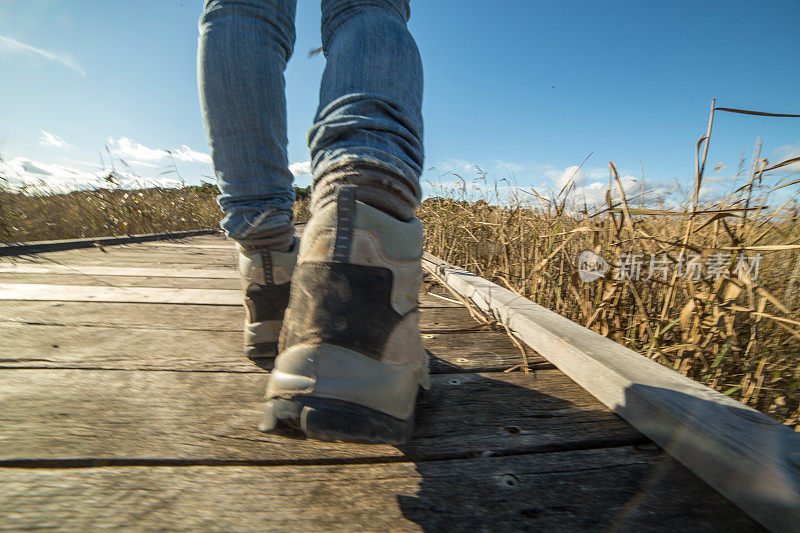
(730, 329)
(38, 213)
(34, 214)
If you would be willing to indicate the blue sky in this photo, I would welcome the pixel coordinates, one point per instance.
(522, 89)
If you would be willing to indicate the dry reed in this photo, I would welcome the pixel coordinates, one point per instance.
(729, 328)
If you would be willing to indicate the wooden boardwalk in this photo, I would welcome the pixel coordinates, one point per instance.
(125, 402)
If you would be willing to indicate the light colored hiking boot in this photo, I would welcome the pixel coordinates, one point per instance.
(351, 357)
(266, 277)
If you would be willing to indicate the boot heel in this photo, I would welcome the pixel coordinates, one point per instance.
(328, 419)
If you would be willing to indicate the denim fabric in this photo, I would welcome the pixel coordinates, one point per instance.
(369, 109)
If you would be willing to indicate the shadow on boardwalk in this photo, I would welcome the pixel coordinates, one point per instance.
(596, 484)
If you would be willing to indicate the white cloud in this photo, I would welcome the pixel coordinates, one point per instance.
(21, 171)
(141, 164)
(591, 185)
(125, 148)
(469, 169)
(7, 44)
(782, 153)
(300, 168)
(80, 162)
(593, 193)
(571, 174)
(455, 166)
(32, 167)
(48, 139)
(187, 154)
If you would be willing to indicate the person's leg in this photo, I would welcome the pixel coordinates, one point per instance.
(243, 49)
(368, 128)
(351, 358)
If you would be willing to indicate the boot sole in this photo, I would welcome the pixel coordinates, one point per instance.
(328, 419)
(333, 393)
(266, 350)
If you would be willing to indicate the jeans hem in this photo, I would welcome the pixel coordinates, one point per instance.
(266, 222)
(386, 163)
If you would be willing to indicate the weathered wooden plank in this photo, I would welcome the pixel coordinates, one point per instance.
(178, 245)
(134, 258)
(139, 261)
(83, 293)
(624, 489)
(746, 455)
(131, 415)
(154, 277)
(130, 251)
(425, 300)
(26, 267)
(166, 249)
(214, 238)
(67, 244)
(106, 293)
(229, 283)
(133, 294)
(103, 348)
(176, 316)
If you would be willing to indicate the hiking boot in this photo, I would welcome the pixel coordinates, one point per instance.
(351, 357)
(266, 277)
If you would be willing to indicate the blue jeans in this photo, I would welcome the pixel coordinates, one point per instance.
(369, 119)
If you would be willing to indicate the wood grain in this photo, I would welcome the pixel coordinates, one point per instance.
(196, 245)
(623, 489)
(82, 293)
(205, 416)
(67, 244)
(132, 258)
(19, 267)
(97, 292)
(89, 280)
(176, 316)
(109, 348)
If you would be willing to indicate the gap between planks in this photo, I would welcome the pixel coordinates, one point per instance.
(627, 488)
(192, 416)
(89, 270)
(181, 350)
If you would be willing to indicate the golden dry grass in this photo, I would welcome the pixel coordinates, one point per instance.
(737, 334)
(40, 215)
(35, 214)
(729, 329)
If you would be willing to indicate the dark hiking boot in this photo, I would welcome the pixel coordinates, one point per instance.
(351, 358)
(266, 277)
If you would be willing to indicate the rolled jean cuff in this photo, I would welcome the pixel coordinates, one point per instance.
(336, 160)
(375, 184)
(250, 224)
